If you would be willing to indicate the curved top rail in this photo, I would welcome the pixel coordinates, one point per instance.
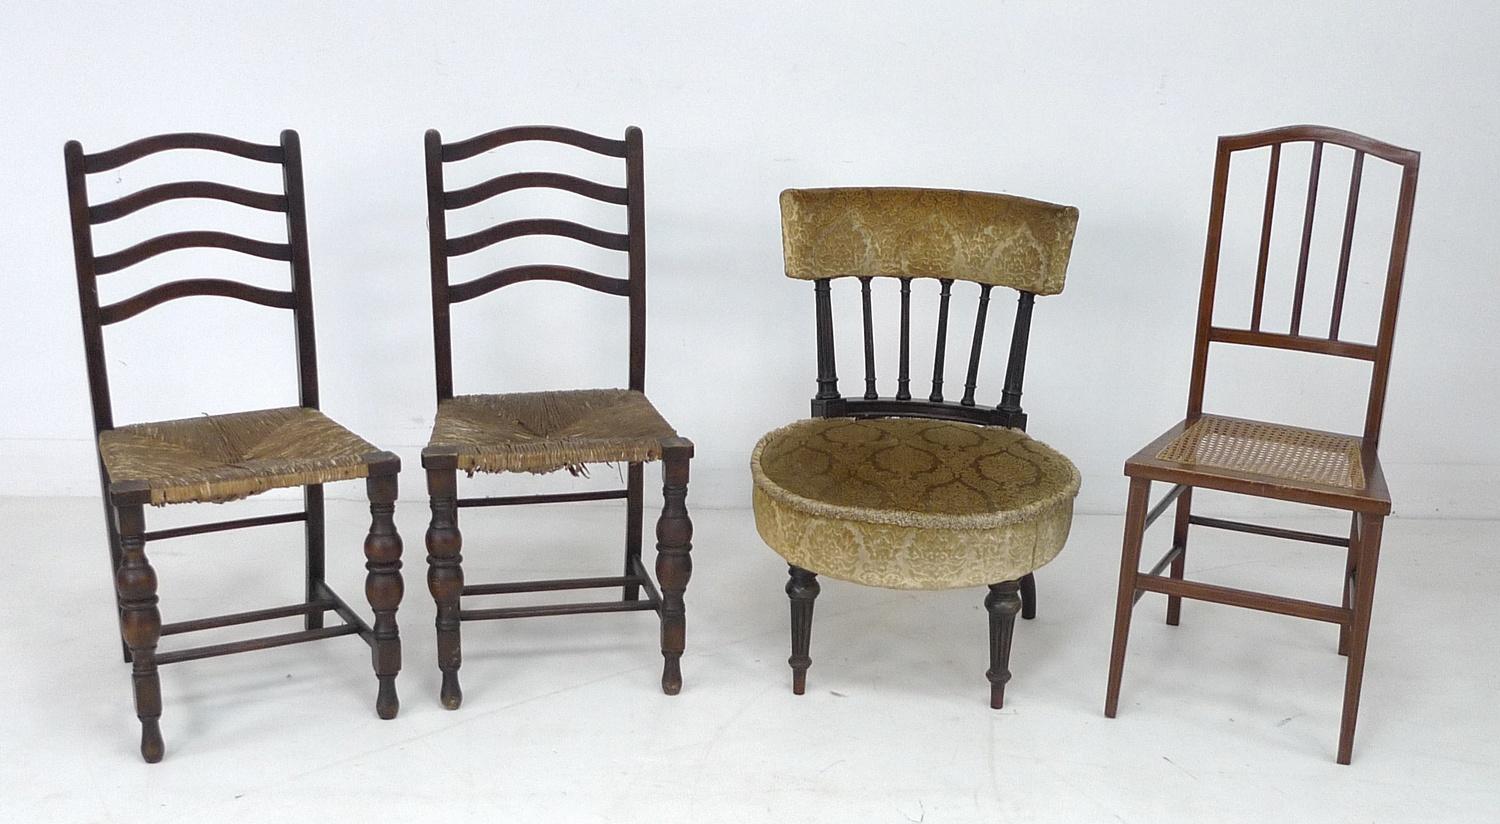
(1325, 134)
(135, 201)
(480, 192)
(465, 149)
(135, 150)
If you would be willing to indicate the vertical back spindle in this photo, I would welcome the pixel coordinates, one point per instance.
(1307, 227)
(974, 350)
(1338, 290)
(1015, 368)
(903, 380)
(942, 342)
(828, 381)
(864, 296)
(1265, 236)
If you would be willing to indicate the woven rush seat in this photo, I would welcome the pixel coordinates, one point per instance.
(908, 503)
(1272, 450)
(541, 432)
(217, 458)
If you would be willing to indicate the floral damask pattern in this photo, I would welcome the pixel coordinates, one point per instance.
(986, 238)
(911, 504)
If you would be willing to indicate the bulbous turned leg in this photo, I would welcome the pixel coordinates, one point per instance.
(445, 577)
(384, 588)
(135, 584)
(802, 589)
(1028, 596)
(1003, 603)
(674, 564)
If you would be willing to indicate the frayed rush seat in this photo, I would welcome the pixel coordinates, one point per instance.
(542, 432)
(217, 458)
(908, 503)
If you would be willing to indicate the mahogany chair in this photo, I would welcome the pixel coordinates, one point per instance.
(217, 458)
(907, 492)
(1270, 460)
(541, 432)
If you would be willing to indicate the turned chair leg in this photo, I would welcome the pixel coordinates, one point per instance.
(1028, 596)
(1370, 527)
(1179, 564)
(135, 585)
(802, 590)
(1130, 564)
(1003, 603)
(445, 578)
(634, 520)
(383, 588)
(312, 504)
(674, 563)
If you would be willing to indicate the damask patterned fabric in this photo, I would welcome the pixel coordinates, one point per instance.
(908, 503)
(986, 238)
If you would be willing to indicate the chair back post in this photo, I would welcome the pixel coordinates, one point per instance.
(88, 287)
(635, 186)
(437, 235)
(1390, 302)
(296, 232)
(1210, 281)
(827, 402)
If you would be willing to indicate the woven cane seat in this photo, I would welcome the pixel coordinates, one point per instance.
(1272, 450)
(542, 432)
(908, 503)
(215, 458)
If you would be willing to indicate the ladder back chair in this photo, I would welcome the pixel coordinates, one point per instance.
(1270, 460)
(539, 432)
(902, 491)
(217, 458)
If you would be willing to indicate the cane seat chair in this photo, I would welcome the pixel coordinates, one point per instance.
(540, 432)
(225, 457)
(905, 492)
(1270, 459)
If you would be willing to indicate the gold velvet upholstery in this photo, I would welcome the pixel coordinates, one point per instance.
(909, 503)
(546, 431)
(986, 238)
(215, 458)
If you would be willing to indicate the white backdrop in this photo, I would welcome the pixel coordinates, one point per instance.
(1113, 108)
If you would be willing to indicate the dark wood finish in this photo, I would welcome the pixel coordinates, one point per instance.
(1367, 506)
(972, 379)
(940, 348)
(126, 535)
(802, 590)
(1028, 596)
(1002, 603)
(444, 541)
(383, 587)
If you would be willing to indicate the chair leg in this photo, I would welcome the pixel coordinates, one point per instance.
(634, 521)
(312, 504)
(674, 563)
(445, 578)
(1179, 564)
(1003, 602)
(1130, 564)
(802, 589)
(135, 585)
(1370, 527)
(1350, 567)
(383, 588)
(1028, 596)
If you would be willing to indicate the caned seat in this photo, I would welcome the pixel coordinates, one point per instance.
(543, 432)
(216, 458)
(907, 503)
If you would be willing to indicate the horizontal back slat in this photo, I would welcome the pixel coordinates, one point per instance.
(480, 192)
(114, 262)
(465, 149)
(459, 292)
(1296, 343)
(132, 306)
(134, 202)
(467, 244)
(135, 150)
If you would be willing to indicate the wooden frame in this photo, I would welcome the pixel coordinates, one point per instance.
(444, 541)
(1368, 506)
(124, 501)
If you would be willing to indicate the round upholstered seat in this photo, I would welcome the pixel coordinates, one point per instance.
(910, 503)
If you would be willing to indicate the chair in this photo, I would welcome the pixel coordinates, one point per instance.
(1271, 460)
(541, 432)
(216, 458)
(905, 492)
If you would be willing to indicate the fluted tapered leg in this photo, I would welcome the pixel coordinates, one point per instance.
(135, 584)
(383, 588)
(1028, 596)
(1003, 604)
(674, 564)
(802, 590)
(445, 577)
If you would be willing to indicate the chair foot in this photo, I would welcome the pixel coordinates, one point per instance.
(671, 673)
(1003, 603)
(1028, 596)
(452, 696)
(386, 702)
(802, 590)
(152, 747)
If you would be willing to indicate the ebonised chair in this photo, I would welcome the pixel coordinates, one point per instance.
(216, 458)
(1271, 460)
(907, 492)
(540, 432)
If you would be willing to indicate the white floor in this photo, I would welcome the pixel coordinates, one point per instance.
(1232, 716)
